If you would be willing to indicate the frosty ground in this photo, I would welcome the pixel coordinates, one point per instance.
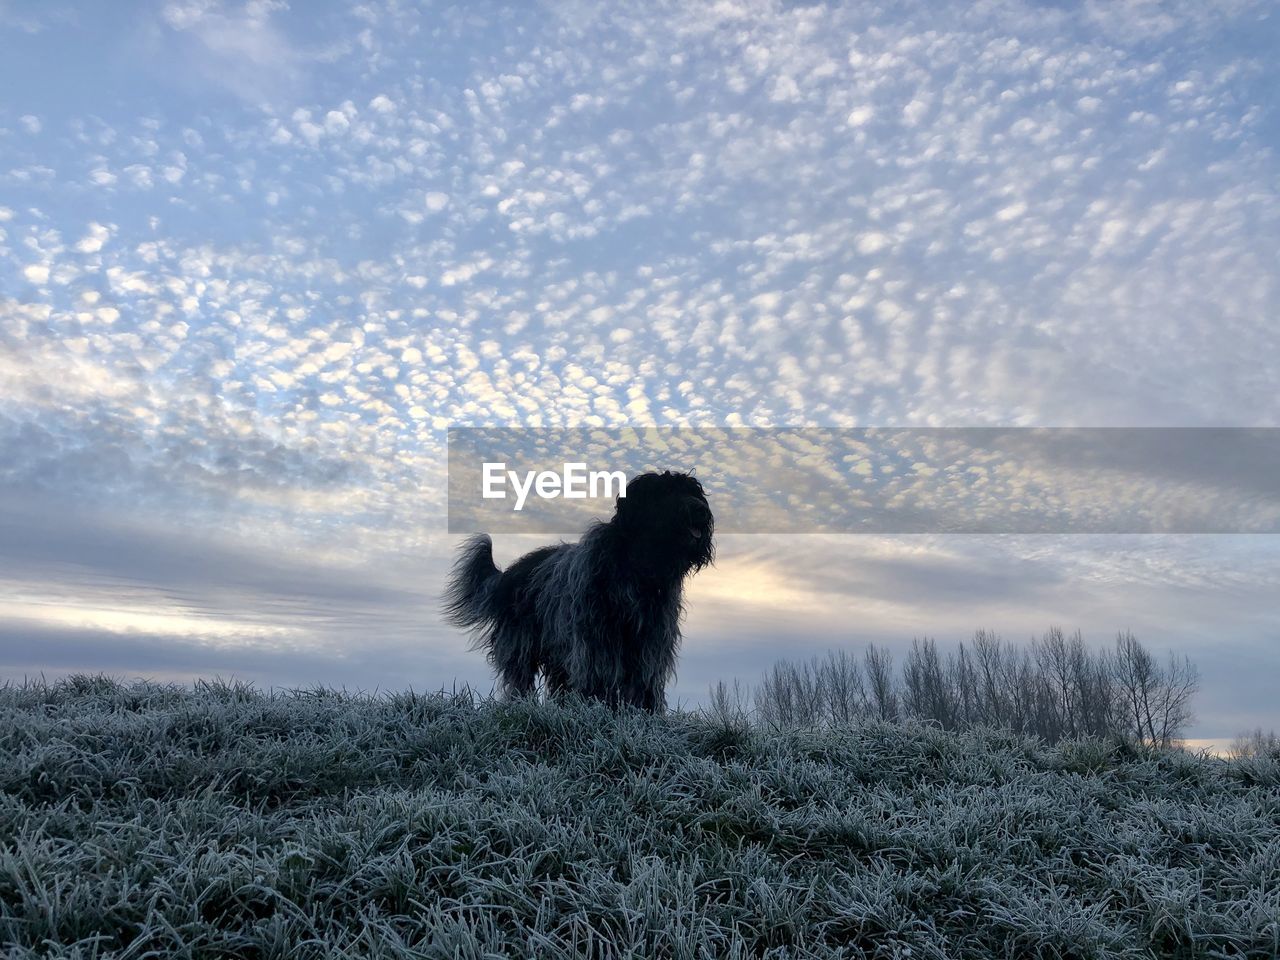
(146, 820)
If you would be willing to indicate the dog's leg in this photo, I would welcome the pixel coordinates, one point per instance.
(647, 696)
(519, 683)
(598, 689)
(557, 679)
(514, 657)
(655, 700)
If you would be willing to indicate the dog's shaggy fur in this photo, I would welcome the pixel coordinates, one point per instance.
(600, 617)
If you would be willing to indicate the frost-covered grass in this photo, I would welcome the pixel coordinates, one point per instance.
(144, 820)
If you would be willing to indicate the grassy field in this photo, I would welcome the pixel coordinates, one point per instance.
(145, 821)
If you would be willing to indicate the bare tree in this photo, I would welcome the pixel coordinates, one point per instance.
(1255, 743)
(1179, 682)
(1134, 673)
(845, 693)
(882, 689)
(1095, 694)
(1155, 702)
(1024, 691)
(1053, 655)
(963, 684)
(989, 677)
(728, 705)
(791, 695)
(927, 691)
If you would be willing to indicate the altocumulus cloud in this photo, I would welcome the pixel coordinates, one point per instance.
(239, 307)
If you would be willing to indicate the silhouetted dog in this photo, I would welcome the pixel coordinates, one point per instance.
(600, 617)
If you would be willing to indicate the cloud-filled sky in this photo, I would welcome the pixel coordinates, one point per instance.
(255, 258)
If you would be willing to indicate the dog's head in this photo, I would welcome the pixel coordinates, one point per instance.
(667, 517)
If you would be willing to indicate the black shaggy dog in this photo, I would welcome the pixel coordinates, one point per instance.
(600, 617)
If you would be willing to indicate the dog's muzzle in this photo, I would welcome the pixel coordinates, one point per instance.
(699, 521)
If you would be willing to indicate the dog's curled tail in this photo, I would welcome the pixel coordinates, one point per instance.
(467, 597)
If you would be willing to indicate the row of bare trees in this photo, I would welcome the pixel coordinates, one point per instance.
(1055, 687)
(1255, 743)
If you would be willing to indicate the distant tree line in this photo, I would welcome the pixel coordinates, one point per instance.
(1055, 687)
(1256, 743)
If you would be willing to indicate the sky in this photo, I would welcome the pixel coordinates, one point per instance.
(256, 258)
